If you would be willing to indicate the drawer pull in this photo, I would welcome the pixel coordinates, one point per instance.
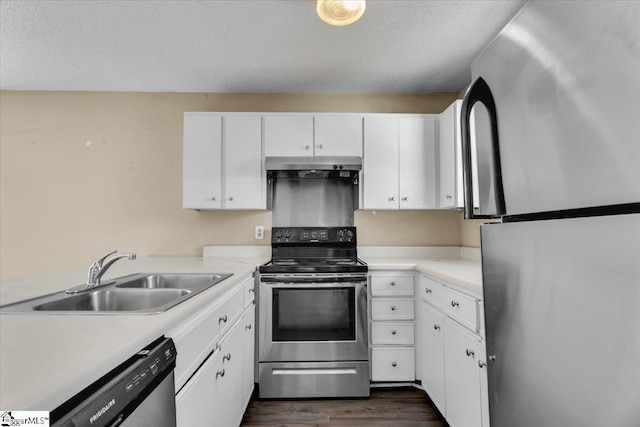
(251, 290)
(455, 304)
(248, 326)
(393, 283)
(470, 352)
(226, 357)
(222, 319)
(427, 290)
(393, 332)
(436, 327)
(482, 363)
(220, 374)
(393, 308)
(394, 364)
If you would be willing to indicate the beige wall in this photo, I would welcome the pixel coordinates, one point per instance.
(86, 172)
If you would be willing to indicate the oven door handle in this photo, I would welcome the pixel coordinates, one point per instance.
(312, 280)
(299, 285)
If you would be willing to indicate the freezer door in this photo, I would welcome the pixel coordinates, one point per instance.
(564, 76)
(562, 318)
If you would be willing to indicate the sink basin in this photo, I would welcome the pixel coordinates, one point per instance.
(114, 300)
(173, 281)
(142, 293)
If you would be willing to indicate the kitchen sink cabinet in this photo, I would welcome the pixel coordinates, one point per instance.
(222, 162)
(215, 364)
(399, 162)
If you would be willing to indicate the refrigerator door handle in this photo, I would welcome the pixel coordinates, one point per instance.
(479, 92)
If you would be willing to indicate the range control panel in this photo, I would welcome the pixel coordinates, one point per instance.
(313, 235)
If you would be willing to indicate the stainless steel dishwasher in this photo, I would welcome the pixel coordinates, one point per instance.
(140, 392)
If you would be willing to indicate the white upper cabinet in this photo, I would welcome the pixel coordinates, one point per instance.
(243, 174)
(380, 163)
(288, 136)
(399, 162)
(338, 136)
(417, 159)
(202, 161)
(222, 162)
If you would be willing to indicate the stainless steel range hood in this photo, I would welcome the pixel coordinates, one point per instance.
(313, 163)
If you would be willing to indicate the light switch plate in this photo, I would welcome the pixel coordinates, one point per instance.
(259, 232)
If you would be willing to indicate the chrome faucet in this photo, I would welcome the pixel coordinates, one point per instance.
(97, 270)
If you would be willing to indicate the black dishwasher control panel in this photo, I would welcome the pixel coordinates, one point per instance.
(120, 391)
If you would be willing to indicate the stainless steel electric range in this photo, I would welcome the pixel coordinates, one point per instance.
(313, 315)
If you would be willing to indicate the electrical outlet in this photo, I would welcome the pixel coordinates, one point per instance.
(259, 232)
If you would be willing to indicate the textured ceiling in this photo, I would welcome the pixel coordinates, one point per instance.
(419, 46)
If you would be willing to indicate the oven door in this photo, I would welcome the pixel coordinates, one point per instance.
(312, 318)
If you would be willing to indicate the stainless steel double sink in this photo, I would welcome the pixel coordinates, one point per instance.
(142, 293)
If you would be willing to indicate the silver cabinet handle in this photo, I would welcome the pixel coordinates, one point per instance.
(392, 283)
(213, 198)
(231, 199)
(248, 326)
(455, 304)
(393, 308)
(394, 332)
(470, 353)
(251, 290)
(222, 319)
(392, 199)
(436, 327)
(220, 374)
(321, 146)
(427, 290)
(449, 196)
(482, 364)
(306, 147)
(226, 357)
(405, 199)
(394, 364)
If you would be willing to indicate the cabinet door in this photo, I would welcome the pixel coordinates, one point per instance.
(228, 398)
(431, 353)
(462, 379)
(447, 141)
(195, 403)
(380, 165)
(417, 162)
(288, 136)
(248, 325)
(338, 136)
(243, 175)
(202, 161)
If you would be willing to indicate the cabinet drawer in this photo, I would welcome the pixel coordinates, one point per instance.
(461, 307)
(392, 333)
(392, 364)
(391, 309)
(392, 285)
(249, 291)
(431, 291)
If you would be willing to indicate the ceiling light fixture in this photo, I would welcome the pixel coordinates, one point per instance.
(340, 12)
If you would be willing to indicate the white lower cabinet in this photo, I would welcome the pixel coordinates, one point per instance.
(430, 353)
(217, 392)
(450, 355)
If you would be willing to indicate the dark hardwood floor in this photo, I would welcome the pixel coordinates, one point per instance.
(386, 407)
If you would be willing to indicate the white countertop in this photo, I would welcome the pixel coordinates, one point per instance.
(46, 359)
(460, 272)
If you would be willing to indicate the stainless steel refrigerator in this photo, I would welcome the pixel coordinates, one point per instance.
(553, 121)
